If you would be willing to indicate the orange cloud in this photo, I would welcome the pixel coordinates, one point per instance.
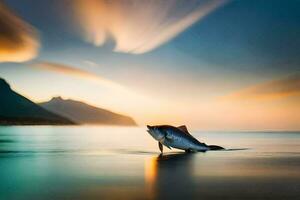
(285, 87)
(81, 74)
(18, 40)
(72, 71)
(138, 26)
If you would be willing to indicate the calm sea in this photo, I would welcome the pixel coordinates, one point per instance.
(94, 162)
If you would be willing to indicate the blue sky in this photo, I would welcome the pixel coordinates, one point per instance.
(237, 44)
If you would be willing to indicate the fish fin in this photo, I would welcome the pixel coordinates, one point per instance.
(161, 148)
(183, 128)
(169, 139)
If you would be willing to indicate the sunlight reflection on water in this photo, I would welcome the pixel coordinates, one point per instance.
(47, 162)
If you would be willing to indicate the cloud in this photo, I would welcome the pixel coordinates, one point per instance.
(71, 71)
(18, 40)
(138, 26)
(80, 74)
(285, 87)
(90, 63)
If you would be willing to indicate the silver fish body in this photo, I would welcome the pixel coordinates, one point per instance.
(179, 138)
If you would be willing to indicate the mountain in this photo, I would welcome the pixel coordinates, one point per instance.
(15, 109)
(83, 113)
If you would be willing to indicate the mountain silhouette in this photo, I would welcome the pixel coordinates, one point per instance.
(83, 113)
(15, 109)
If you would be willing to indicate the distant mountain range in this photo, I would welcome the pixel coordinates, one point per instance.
(16, 109)
(83, 113)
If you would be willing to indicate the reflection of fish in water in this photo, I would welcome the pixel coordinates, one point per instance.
(179, 138)
(173, 158)
(173, 177)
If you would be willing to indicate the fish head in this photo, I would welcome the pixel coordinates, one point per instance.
(156, 132)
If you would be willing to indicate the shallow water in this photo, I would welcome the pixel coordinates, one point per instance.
(92, 162)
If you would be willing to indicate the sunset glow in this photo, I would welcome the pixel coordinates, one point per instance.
(212, 65)
(18, 40)
(103, 20)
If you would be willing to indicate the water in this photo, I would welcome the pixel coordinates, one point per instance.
(90, 162)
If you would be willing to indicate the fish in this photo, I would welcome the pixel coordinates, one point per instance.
(179, 138)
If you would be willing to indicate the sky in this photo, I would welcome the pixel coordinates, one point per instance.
(209, 64)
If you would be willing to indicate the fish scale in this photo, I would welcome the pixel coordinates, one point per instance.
(179, 138)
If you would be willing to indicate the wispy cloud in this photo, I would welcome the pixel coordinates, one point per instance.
(18, 40)
(285, 87)
(139, 26)
(90, 63)
(76, 72)
(72, 71)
